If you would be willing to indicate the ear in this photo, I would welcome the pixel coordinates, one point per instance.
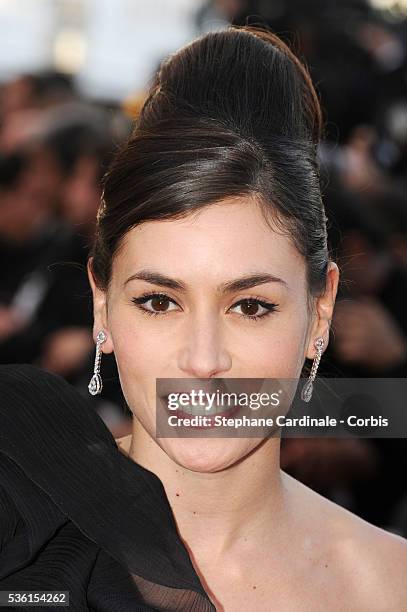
(100, 314)
(324, 311)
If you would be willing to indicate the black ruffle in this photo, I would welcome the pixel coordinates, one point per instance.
(76, 514)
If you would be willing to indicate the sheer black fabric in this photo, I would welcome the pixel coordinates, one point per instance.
(78, 515)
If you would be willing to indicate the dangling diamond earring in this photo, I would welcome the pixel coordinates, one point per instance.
(306, 392)
(95, 385)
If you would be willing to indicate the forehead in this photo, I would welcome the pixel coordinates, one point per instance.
(223, 238)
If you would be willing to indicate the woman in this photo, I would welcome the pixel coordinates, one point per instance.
(210, 261)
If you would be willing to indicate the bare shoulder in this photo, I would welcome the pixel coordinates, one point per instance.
(380, 558)
(370, 560)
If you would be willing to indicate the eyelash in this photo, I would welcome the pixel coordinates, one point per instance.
(148, 296)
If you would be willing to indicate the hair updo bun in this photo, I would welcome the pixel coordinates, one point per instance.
(234, 113)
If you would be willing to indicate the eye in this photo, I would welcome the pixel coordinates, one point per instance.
(254, 308)
(159, 303)
(251, 308)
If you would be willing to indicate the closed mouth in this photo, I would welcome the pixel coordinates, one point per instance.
(197, 409)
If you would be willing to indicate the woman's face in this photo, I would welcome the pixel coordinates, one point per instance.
(261, 331)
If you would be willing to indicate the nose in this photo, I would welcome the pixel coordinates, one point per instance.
(203, 354)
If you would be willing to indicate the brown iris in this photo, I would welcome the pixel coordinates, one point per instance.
(160, 303)
(249, 308)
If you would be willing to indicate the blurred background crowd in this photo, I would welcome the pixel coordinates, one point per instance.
(73, 74)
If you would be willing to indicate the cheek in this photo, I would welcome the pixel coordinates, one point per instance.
(138, 347)
(140, 360)
(279, 352)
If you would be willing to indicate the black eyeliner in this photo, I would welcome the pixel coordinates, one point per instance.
(145, 297)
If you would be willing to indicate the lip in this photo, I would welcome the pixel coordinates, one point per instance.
(177, 386)
(164, 399)
(205, 385)
(205, 388)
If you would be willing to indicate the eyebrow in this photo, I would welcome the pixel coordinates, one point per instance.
(238, 284)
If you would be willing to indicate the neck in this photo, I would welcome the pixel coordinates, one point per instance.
(217, 512)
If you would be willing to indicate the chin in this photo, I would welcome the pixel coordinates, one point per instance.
(207, 455)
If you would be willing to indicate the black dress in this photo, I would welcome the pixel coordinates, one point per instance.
(78, 515)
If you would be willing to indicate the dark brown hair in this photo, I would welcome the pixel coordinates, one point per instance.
(234, 113)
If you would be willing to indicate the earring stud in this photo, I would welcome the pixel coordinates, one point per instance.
(306, 392)
(95, 385)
